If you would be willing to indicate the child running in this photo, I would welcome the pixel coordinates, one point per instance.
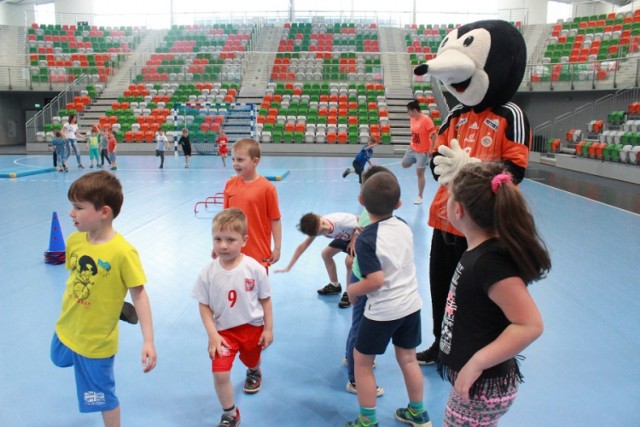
(234, 297)
(185, 143)
(385, 257)
(490, 316)
(337, 226)
(162, 144)
(362, 158)
(103, 268)
(223, 150)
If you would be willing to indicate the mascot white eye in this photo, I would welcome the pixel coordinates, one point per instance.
(467, 42)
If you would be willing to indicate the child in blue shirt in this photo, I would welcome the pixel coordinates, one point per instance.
(361, 159)
(60, 147)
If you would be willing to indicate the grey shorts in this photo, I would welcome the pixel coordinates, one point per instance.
(421, 160)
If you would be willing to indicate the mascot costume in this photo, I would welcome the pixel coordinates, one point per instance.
(482, 65)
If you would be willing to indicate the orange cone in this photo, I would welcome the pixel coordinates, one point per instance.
(56, 253)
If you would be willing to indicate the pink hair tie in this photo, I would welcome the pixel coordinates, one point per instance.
(500, 179)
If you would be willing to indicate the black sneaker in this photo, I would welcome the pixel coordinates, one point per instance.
(330, 290)
(230, 420)
(344, 301)
(346, 172)
(252, 382)
(128, 313)
(429, 356)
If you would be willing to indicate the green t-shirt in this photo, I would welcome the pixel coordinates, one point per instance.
(99, 278)
(363, 221)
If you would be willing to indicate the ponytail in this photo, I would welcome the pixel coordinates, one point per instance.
(496, 205)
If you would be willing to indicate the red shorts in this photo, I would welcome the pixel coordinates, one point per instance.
(243, 339)
(223, 150)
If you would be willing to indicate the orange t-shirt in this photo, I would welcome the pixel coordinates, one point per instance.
(421, 130)
(259, 201)
(501, 133)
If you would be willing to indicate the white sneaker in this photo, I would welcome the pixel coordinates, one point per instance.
(351, 388)
(417, 201)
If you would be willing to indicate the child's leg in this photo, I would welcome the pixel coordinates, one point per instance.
(356, 318)
(411, 372)
(224, 388)
(365, 380)
(111, 418)
(327, 256)
(224, 162)
(486, 408)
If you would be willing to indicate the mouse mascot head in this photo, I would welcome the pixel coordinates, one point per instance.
(482, 65)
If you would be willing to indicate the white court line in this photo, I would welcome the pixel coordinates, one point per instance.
(583, 197)
(17, 162)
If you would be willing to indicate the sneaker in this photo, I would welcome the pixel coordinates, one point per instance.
(91, 166)
(230, 420)
(113, 168)
(429, 356)
(351, 388)
(346, 172)
(330, 290)
(80, 166)
(128, 313)
(408, 416)
(252, 382)
(361, 422)
(344, 301)
(417, 201)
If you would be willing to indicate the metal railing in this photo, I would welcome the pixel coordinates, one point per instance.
(581, 116)
(52, 109)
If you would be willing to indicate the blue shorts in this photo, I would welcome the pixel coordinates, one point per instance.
(374, 336)
(95, 383)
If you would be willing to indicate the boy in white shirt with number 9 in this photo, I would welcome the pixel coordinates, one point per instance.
(234, 297)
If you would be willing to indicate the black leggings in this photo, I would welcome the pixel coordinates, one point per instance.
(104, 155)
(446, 251)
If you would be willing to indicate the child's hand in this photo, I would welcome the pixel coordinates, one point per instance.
(282, 270)
(275, 256)
(467, 376)
(352, 298)
(217, 345)
(265, 339)
(149, 357)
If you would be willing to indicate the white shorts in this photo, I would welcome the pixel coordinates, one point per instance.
(420, 159)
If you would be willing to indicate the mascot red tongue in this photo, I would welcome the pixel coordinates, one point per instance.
(482, 65)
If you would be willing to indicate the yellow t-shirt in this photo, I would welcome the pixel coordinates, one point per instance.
(99, 278)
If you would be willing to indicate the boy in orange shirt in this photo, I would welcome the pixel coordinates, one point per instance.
(254, 195)
(422, 138)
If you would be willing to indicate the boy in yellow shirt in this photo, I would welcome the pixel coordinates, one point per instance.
(103, 267)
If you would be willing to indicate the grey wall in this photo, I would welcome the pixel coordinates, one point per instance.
(13, 106)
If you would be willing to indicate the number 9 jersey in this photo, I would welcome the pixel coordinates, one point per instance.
(233, 295)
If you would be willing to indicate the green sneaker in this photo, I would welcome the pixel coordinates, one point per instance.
(361, 422)
(408, 416)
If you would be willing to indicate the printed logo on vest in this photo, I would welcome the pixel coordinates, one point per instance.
(249, 284)
(486, 141)
(493, 124)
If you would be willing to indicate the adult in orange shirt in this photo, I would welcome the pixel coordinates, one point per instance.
(258, 199)
(422, 137)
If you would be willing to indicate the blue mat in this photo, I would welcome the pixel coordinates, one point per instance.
(274, 174)
(18, 171)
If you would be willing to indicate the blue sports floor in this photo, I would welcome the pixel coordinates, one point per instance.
(583, 371)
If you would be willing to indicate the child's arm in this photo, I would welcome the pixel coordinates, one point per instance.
(299, 251)
(143, 309)
(513, 298)
(215, 340)
(370, 283)
(276, 230)
(267, 335)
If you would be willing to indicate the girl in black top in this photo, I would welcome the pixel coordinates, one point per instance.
(490, 316)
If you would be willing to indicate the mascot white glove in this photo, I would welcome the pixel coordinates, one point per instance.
(452, 160)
